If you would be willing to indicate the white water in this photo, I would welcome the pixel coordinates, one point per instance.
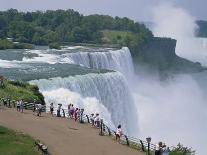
(118, 60)
(109, 90)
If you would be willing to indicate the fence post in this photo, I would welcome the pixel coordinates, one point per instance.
(101, 132)
(127, 140)
(88, 118)
(142, 145)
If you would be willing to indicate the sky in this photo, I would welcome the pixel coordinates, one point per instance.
(139, 10)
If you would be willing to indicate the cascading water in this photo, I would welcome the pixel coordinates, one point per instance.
(118, 60)
(109, 89)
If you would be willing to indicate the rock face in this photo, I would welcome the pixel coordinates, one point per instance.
(159, 54)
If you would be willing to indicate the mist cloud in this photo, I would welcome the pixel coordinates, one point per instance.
(175, 22)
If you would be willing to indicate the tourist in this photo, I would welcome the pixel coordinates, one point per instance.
(81, 116)
(92, 120)
(39, 111)
(21, 105)
(58, 110)
(118, 133)
(51, 108)
(165, 150)
(18, 105)
(97, 121)
(72, 110)
(5, 102)
(158, 149)
(76, 114)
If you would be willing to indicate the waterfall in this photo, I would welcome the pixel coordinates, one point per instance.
(109, 89)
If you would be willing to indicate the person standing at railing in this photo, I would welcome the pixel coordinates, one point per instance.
(72, 110)
(69, 108)
(118, 133)
(158, 149)
(92, 117)
(81, 115)
(51, 108)
(78, 114)
(165, 150)
(97, 120)
(58, 110)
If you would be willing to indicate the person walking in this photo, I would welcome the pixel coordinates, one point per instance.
(18, 105)
(39, 110)
(118, 133)
(21, 106)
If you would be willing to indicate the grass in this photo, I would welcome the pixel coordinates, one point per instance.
(14, 143)
(118, 37)
(16, 90)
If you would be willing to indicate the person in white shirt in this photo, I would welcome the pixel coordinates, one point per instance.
(18, 106)
(97, 121)
(118, 133)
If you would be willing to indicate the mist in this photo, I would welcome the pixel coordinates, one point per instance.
(175, 110)
(172, 111)
(175, 22)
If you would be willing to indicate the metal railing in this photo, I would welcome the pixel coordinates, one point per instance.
(132, 142)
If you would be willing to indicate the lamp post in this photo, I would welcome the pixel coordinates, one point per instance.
(148, 144)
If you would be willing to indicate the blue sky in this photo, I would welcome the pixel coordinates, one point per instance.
(139, 10)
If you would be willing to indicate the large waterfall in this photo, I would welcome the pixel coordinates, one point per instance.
(105, 93)
(109, 89)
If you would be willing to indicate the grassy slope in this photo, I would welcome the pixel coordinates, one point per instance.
(12, 143)
(20, 90)
(118, 37)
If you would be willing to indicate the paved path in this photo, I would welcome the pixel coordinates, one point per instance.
(63, 136)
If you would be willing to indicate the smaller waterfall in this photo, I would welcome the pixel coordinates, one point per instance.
(118, 60)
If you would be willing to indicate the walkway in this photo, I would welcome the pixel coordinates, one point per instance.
(63, 136)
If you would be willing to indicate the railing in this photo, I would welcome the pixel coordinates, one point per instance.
(132, 142)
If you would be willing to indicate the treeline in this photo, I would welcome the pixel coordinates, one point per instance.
(43, 28)
(202, 28)
(7, 44)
